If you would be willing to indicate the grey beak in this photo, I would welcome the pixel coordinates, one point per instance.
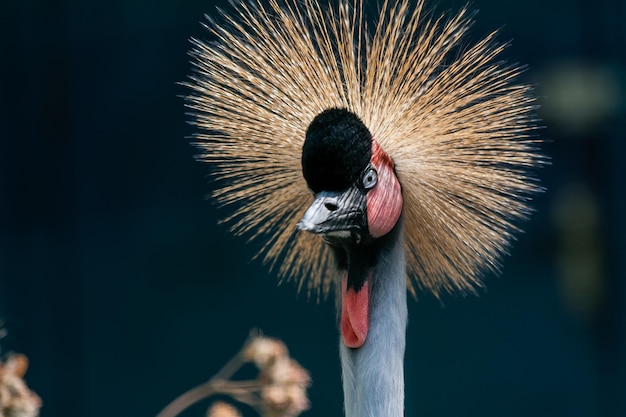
(320, 212)
(333, 212)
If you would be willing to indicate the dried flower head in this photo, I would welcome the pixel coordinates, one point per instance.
(264, 351)
(286, 370)
(16, 400)
(284, 388)
(222, 409)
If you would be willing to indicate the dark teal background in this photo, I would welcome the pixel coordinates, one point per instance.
(122, 289)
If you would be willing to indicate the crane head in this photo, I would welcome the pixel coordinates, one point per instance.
(358, 197)
(459, 126)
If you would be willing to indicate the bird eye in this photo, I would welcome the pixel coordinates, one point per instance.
(370, 178)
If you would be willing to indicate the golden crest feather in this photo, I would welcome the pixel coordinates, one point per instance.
(451, 116)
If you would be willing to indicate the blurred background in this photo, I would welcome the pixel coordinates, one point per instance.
(119, 285)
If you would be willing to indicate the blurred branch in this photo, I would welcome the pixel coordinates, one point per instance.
(278, 391)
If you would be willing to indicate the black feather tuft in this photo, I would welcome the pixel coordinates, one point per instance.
(337, 148)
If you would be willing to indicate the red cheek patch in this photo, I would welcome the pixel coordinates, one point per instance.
(384, 201)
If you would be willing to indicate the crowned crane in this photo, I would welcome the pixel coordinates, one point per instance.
(365, 162)
(357, 210)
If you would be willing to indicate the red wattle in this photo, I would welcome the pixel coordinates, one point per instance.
(354, 314)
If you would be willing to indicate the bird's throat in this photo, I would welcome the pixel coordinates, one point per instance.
(373, 326)
(354, 312)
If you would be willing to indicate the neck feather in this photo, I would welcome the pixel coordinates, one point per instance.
(373, 375)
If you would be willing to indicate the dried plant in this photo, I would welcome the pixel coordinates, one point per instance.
(16, 400)
(279, 390)
(222, 409)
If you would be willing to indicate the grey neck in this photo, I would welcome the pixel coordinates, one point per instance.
(373, 375)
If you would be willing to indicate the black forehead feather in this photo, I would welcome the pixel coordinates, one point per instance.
(337, 148)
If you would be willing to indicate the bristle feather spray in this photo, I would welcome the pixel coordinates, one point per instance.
(453, 118)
